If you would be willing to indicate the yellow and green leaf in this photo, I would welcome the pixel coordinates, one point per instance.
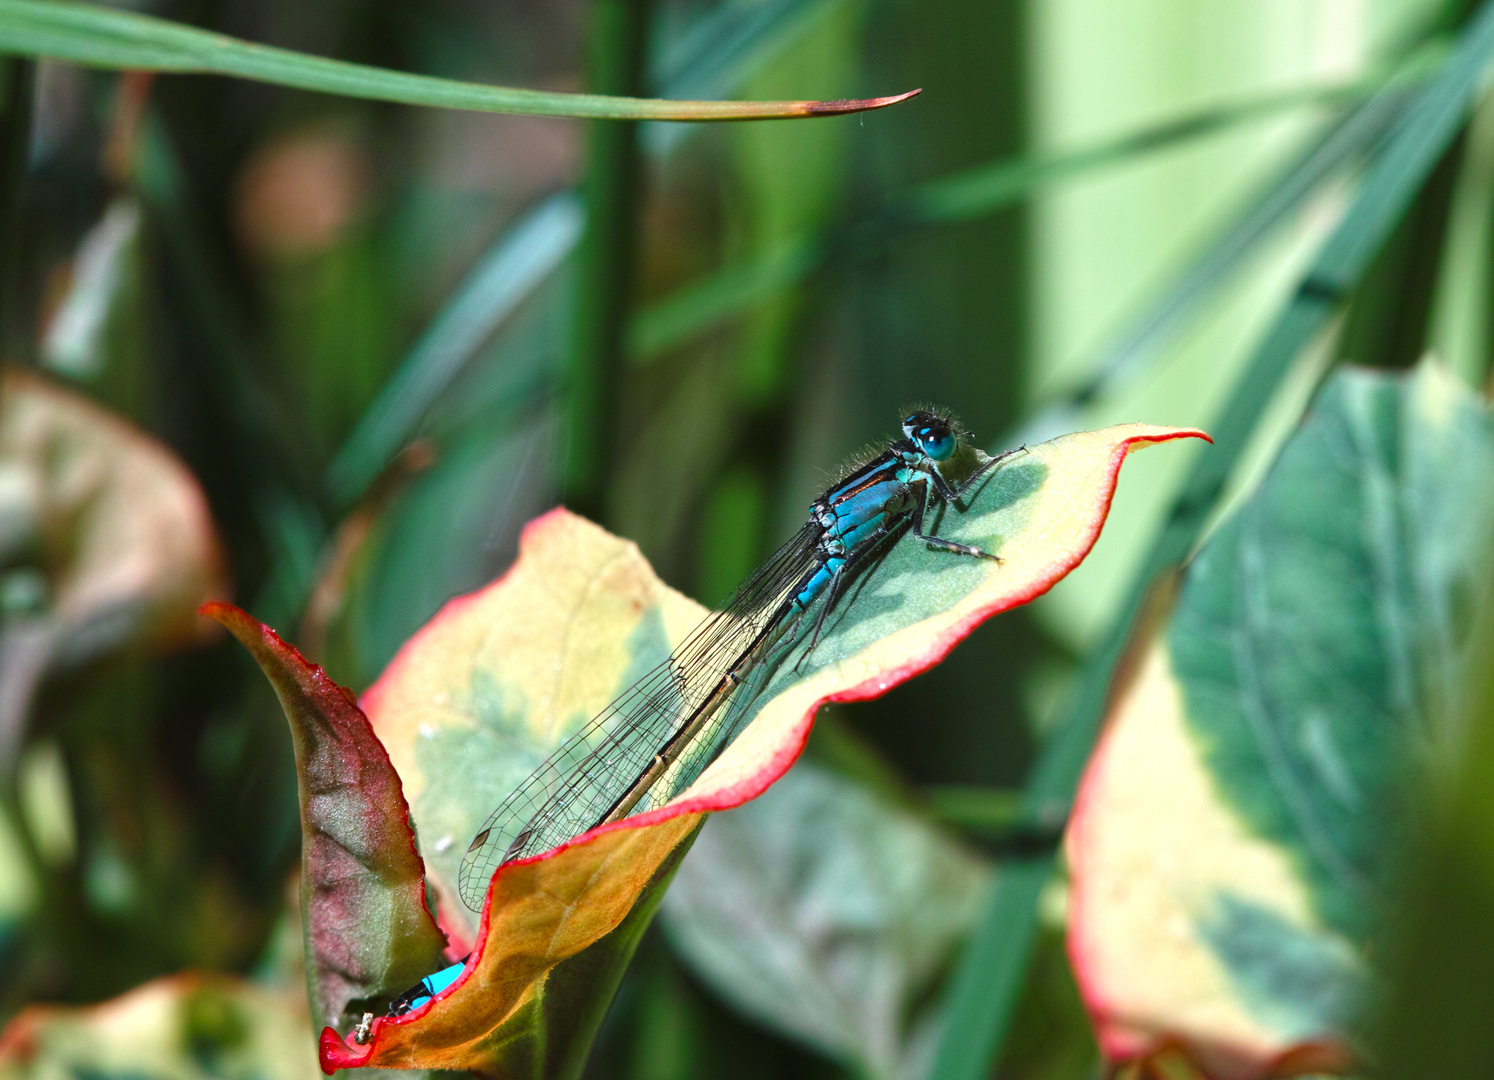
(496, 680)
(191, 1026)
(1234, 832)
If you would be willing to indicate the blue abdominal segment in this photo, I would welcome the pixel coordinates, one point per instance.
(816, 584)
(426, 989)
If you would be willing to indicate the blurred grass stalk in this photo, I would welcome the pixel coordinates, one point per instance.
(17, 83)
(1436, 1022)
(987, 984)
(264, 446)
(616, 64)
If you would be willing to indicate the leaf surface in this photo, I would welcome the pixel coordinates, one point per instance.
(367, 930)
(1236, 828)
(480, 696)
(827, 913)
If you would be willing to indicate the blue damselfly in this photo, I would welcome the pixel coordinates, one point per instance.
(662, 732)
(655, 739)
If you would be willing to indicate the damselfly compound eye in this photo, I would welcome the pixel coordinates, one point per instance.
(933, 435)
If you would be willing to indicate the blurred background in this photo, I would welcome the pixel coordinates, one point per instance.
(383, 337)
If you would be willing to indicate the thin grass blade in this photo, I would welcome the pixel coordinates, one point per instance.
(721, 50)
(109, 38)
(524, 256)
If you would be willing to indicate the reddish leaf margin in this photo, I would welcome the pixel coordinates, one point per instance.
(367, 928)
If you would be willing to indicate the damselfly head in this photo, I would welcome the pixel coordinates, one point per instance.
(935, 435)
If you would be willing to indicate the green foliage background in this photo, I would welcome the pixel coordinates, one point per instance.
(385, 336)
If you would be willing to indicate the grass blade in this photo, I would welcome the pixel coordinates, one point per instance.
(966, 196)
(1347, 140)
(989, 978)
(607, 259)
(524, 256)
(721, 50)
(109, 38)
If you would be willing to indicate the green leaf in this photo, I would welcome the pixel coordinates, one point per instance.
(368, 932)
(830, 915)
(1237, 828)
(110, 38)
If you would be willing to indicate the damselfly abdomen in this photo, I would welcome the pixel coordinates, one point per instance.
(654, 740)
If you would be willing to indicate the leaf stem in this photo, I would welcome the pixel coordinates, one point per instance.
(608, 255)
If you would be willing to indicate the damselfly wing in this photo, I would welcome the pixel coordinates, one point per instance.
(581, 782)
(664, 730)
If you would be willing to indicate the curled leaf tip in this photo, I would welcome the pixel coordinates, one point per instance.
(334, 1052)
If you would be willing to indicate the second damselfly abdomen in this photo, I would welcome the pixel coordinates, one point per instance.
(664, 730)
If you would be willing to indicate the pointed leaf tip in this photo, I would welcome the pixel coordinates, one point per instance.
(368, 931)
(854, 105)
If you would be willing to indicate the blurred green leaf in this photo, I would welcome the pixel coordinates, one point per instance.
(508, 272)
(1250, 785)
(983, 810)
(830, 915)
(452, 526)
(74, 341)
(107, 37)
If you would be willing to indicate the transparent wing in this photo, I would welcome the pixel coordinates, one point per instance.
(588, 773)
